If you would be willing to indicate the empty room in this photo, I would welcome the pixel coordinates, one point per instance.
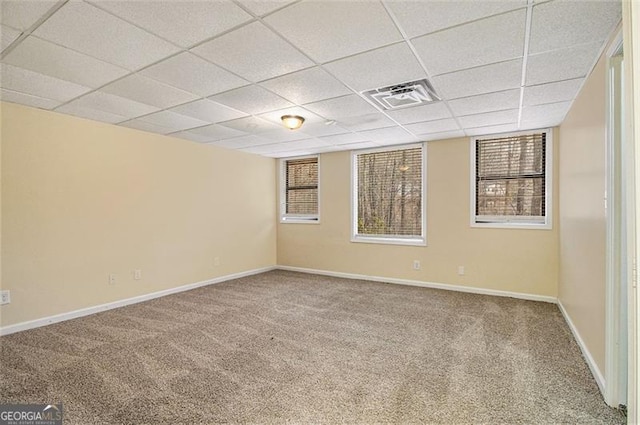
(319, 211)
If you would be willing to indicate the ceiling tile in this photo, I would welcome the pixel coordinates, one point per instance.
(7, 36)
(495, 39)
(429, 112)
(173, 121)
(366, 122)
(92, 31)
(283, 135)
(35, 84)
(389, 135)
(423, 17)
(560, 24)
(322, 129)
(276, 116)
(552, 92)
(341, 107)
(306, 86)
(250, 125)
(561, 64)
(92, 114)
(188, 135)
(243, 142)
(378, 68)
(184, 23)
(112, 104)
(343, 139)
(217, 132)
(433, 126)
(484, 79)
(26, 99)
(56, 61)
(492, 129)
(139, 124)
(21, 14)
(253, 52)
(444, 135)
(300, 145)
(148, 91)
(551, 114)
(252, 100)
(208, 110)
(508, 99)
(262, 7)
(193, 74)
(489, 118)
(330, 31)
(356, 146)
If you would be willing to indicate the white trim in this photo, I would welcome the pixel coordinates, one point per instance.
(514, 222)
(282, 203)
(423, 284)
(18, 327)
(595, 371)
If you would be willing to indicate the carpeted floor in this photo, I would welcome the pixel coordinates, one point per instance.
(289, 347)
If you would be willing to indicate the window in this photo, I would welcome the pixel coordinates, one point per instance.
(512, 180)
(299, 190)
(388, 193)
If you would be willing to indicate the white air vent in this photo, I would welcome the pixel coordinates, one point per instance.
(403, 95)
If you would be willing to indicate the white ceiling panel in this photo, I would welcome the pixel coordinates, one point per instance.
(495, 39)
(492, 129)
(92, 31)
(424, 17)
(262, 7)
(301, 145)
(322, 129)
(188, 135)
(148, 91)
(251, 125)
(344, 139)
(328, 31)
(92, 114)
(22, 14)
(489, 102)
(253, 52)
(184, 23)
(252, 100)
(484, 79)
(562, 64)
(36, 84)
(306, 86)
(389, 135)
(276, 116)
(217, 132)
(283, 135)
(26, 99)
(552, 112)
(243, 142)
(173, 121)
(356, 146)
(366, 122)
(341, 107)
(139, 124)
(193, 74)
(552, 92)
(433, 126)
(489, 118)
(112, 104)
(428, 112)
(53, 60)
(444, 135)
(208, 110)
(559, 24)
(378, 68)
(7, 36)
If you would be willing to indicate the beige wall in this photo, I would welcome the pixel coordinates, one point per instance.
(582, 214)
(82, 199)
(524, 261)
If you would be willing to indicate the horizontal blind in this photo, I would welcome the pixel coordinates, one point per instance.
(390, 193)
(302, 186)
(510, 176)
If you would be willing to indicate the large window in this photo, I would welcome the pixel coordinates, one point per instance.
(299, 190)
(388, 193)
(512, 180)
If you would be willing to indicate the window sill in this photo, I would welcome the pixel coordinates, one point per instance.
(513, 225)
(389, 241)
(299, 221)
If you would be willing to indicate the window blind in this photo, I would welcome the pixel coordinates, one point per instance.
(510, 177)
(301, 187)
(389, 193)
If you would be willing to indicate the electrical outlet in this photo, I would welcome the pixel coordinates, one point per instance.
(416, 264)
(137, 274)
(216, 261)
(461, 270)
(5, 297)
(112, 278)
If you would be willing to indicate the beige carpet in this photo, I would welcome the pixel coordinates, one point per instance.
(288, 347)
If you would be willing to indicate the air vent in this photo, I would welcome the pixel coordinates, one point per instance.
(403, 95)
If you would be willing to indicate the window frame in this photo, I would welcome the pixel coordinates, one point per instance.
(388, 240)
(515, 222)
(296, 218)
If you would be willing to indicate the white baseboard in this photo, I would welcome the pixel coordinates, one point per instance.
(595, 371)
(445, 286)
(6, 330)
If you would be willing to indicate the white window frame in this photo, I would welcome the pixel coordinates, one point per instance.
(389, 240)
(296, 218)
(515, 222)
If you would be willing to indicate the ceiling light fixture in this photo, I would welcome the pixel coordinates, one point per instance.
(292, 122)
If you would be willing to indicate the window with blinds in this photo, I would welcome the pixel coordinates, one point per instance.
(299, 196)
(388, 195)
(511, 179)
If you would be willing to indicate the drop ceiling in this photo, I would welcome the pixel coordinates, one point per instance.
(224, 72)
